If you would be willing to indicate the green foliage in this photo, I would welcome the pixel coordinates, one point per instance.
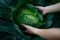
(55, 1)
(8, 28)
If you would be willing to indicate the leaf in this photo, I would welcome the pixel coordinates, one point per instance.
(7, 24)
(6, 21)
(56, 20)
(55, 1)
(48, 20)
(48, 23)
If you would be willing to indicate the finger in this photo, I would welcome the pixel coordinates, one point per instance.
(30, 28)
(40, 8)
(27, 31)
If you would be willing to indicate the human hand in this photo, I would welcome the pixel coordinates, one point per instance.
(49, 9)
(36, 31)
(51, 33)
(42, 10)
(30, 29)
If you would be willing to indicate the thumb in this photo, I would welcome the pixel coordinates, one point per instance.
(41, 9)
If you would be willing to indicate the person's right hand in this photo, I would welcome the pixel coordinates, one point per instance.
(42, 9)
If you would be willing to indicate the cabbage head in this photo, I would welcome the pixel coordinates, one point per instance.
(30, 16)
